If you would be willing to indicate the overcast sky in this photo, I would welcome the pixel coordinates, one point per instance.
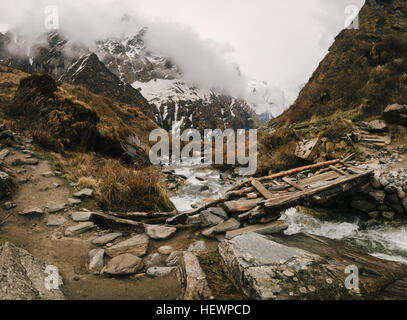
(279, 41)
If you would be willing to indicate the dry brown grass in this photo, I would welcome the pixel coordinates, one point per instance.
(276, 151)
(117, 187)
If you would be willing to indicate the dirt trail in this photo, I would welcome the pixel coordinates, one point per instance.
(71, 255)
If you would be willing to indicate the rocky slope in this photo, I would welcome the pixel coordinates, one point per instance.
(65, 117)
(364, 71)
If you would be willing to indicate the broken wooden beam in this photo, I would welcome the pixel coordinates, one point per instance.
(339, 171)
(293, 184)
(262, 189)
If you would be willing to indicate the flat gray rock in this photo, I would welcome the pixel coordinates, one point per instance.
(56, 221)
(74, 202)
(54, 208)
(79, 229)
(197, 247)
(229, 225)
(124, 264)
(107, 238)
(32, 212)
(137, 245)
(307, 267)
(165, 250)
(84, 193)
(219, 212)
(159, 272)
(24, 277)
(208, 219)
(81, 216)
(158, 232)
(96, 262)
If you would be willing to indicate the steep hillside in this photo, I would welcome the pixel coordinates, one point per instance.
(67, 117)
(364, 71)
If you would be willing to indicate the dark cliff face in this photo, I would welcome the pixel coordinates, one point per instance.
(91, 73)
(364, 71)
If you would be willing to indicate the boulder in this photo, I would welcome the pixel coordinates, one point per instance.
(165, 250)
(219, 212)
(363, 205)
(396, 114)
(208, 219)
(307, 267)
(107, 238)
(154, 260)
(137, 245)
(157, 232)
(378, 195)
(389, 215)
(24, 277)
(229, 225)
(79, 229)
(124, 264)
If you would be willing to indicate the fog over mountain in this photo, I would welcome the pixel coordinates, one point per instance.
(216, 44)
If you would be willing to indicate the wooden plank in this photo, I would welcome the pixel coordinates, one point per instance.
(339, 171)
(293, 184)
(262, 189)
(241, 205)
(319, 177)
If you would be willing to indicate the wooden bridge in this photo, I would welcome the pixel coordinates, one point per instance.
(262, 200)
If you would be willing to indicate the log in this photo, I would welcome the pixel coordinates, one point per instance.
(116, 220)
(298, 170)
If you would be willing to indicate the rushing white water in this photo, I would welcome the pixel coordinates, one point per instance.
(385, 242)
(194, 191)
